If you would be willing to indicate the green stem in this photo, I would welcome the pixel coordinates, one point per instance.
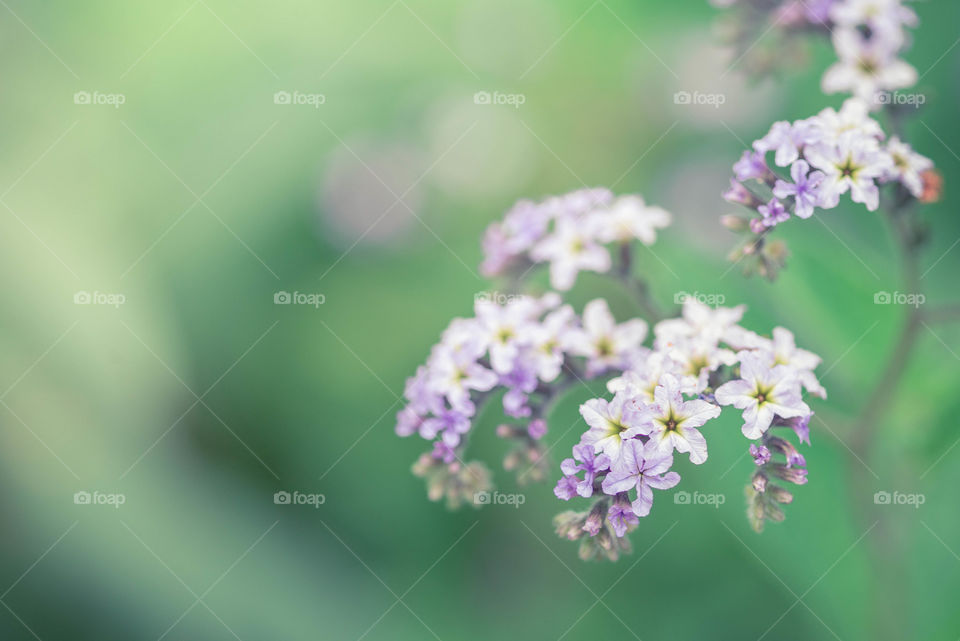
(884, 544)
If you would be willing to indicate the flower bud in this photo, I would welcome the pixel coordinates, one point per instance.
(537, 429)
(735, 223)
(594, 521)
(569, 525)
(779, 494)
(932, 186)
(740, 195)
(796, 475)
(759, 482)
(794, 458)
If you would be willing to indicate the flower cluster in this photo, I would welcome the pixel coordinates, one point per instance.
(570, 232)
(531, 348)
(868, 37)
(698, 364)
(816, 161)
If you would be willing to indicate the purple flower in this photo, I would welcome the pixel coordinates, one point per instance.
(450, 423)
(537, 429)
(805, 189)
(760, 454)
(621, 515)
(773, 213)
(740, 195)
(788, 140)
(443, 452)
(566, 488)
(818, 11)
(590, 464)
(752, 166)
(521, 380)
(408, 421)
(515, 403)
(641, 469)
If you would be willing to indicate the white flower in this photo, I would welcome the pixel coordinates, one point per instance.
(908, 166)
(854, 165)
(700, 320)
(867, 66)
(454, 374)
(504, 329)
(673, 422)
(547, 340)
(763, 391)
(786, 352)
(610, 423)
(571, 248)
(605, 344)
(853, 116)
(642, 378)
(877, 14)
(630, 217)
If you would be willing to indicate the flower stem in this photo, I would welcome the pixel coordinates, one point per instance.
(637, 285)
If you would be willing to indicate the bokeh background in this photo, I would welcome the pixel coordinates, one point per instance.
(198, 398)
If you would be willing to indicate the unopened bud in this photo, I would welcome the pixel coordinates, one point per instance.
(736, 224)
(759, 482)
(932, 186)
(796, 475)
(779, 494)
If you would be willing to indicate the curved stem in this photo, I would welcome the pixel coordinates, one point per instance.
(636, 284)
(883, 542)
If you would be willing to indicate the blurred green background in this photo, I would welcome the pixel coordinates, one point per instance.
(198, 398)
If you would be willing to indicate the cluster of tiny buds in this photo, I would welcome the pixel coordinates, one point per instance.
(821, 158)
(776, 458)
